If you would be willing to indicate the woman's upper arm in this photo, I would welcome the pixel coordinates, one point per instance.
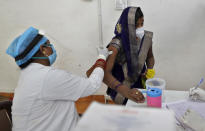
(108, 78)
(111, 58)
(150, 52)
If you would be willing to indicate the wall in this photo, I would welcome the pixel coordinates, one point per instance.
(178, 27)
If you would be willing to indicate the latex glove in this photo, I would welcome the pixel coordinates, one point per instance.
(150, 73)
(193, 120)
(103, 53)
(197, 94)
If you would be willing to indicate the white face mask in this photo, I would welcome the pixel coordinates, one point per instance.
(140, 32)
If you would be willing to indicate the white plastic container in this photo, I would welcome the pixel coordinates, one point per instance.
(157, 83)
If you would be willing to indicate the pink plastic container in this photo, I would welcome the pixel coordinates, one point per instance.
(154, 97)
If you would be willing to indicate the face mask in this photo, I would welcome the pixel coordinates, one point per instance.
(140, 32)
(51, 57)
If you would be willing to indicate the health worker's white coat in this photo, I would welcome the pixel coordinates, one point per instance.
(45, 98)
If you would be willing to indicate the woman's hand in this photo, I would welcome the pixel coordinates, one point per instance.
(135, 95)
(132, 94)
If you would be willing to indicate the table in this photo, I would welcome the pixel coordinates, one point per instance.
(170, 96)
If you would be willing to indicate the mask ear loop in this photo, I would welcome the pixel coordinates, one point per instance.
(44, 53)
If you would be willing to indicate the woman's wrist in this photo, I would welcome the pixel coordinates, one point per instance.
(117, 86)
(123, 90)
(150, 67)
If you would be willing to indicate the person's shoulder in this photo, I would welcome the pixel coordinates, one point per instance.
(56, 71)
(149, 33)
(115, 42)
(116, 39)
(55, 75)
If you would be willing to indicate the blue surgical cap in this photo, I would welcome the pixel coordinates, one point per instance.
(22, 42)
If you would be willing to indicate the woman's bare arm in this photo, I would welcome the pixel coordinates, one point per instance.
(150, 59)
(112, 82)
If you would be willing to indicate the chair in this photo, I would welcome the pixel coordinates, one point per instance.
(5, 122)
(5, 114)
(6, 104)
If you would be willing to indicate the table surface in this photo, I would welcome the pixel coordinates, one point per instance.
(170, 96)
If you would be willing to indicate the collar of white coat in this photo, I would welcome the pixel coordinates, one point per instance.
(35, 65)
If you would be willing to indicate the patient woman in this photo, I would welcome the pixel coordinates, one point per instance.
(132, 60)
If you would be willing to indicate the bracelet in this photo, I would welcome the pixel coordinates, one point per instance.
(100, 64)
(117, 86)
(101, 60)
(112, 84)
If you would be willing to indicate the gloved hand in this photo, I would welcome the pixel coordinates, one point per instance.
(103, 53)
(193, 120)
(150, 73)
(197, 94)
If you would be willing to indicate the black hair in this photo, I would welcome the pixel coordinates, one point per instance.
(138, 14)
(23, 66)
(26, 64)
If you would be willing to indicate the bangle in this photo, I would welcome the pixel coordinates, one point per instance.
(101, 60)
(103, 63)
(117, 86)
(112, 84)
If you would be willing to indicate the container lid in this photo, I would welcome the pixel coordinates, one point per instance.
(154, 92)
(156, 83)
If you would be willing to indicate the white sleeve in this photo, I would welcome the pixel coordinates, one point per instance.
(62, 85)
